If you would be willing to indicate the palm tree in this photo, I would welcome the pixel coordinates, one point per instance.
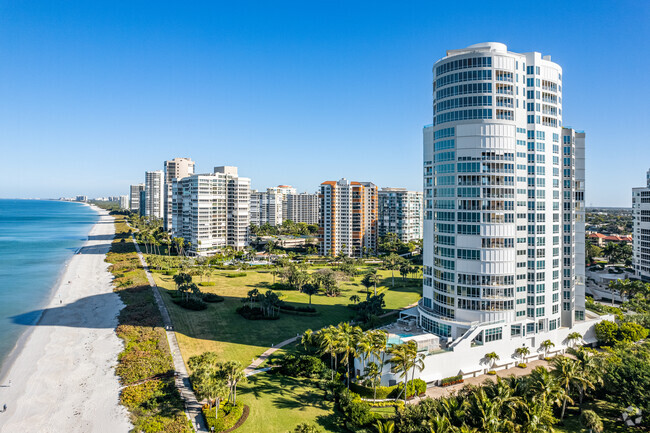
(348, 338)
(364, 347)
(373, 373)
(589, 374)
(327, 338)
(402, 361)
(522, 352)
(310, 290)
(538, 417)
(379, 339)
(404, 269)
(565, 372)
(573, 338)
(492, 358)
(385, 426)
(370, 279)
(440, 424)
(307, 338)
(208, 378)
(541, 385)
(355, 298)
(546, 346)
(234, 373)
(486, 412)
(391, 262)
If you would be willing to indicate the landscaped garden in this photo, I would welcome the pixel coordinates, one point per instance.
(220, 329)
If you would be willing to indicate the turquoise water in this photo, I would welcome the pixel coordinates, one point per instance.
(37, 238)
(397, 338)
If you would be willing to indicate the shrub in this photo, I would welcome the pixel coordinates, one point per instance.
(170, 272)
(207, 283)
(452, 380)
(521, 365)
(254, 313)
(191, 304)
(356, 411)
(301, 366)
(281, 286)
(235, 275)
(213, 298)
(492, 372)
(287, 307)
(228, 416)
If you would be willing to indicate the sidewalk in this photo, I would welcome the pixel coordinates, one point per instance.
(192, 405)
(438, 391)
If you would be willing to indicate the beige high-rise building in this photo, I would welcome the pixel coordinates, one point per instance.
(177, 168)
(348, 218)
(211, 211)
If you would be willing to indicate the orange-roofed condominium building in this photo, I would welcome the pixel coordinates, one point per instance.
(348, 218)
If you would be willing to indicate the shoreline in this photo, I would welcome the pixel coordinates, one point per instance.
(10, 358)
(62, 368)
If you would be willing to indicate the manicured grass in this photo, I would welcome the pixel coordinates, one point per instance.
(220, 329)
(607, 412)
(279, 403)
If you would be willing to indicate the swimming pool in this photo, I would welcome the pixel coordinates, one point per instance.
(397, 338)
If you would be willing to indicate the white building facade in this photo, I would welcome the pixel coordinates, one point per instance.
(267, 207)
(503, 216)
(641, 234)
(400, 212)
(177, 168)
(154, 192)
(302, 208)
(211, 211)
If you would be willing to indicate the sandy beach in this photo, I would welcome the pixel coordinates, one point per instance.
(61, 377)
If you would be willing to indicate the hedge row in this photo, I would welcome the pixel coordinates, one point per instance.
(453, 380)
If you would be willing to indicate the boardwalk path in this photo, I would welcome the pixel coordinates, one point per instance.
(192, 405)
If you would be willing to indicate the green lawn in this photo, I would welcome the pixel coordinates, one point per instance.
(220, 329)
(279, 403)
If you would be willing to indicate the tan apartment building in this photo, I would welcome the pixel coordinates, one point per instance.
(348, 218)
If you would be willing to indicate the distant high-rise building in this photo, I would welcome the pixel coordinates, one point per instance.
(124, 202)
(400, 212)
(81, 198)
(302, 208)
(154, 189)
(134, 197)
(641, 234)
(211, 211)
(266, 208)
(177, 168)
(348, 218)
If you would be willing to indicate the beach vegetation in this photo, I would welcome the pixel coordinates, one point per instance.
(145, 366)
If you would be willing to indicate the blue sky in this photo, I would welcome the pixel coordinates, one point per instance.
(95, 93)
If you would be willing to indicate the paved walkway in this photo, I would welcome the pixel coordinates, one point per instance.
(439, 391)
(251, 369)
(192, 405)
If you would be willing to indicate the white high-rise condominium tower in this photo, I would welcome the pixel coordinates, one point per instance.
(211, 211)
(154, 191)
(302, 208)
(504, 193)
(177, 168)
(400, 212)
(641, 235)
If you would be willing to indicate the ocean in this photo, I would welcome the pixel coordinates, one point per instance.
(37, 237)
